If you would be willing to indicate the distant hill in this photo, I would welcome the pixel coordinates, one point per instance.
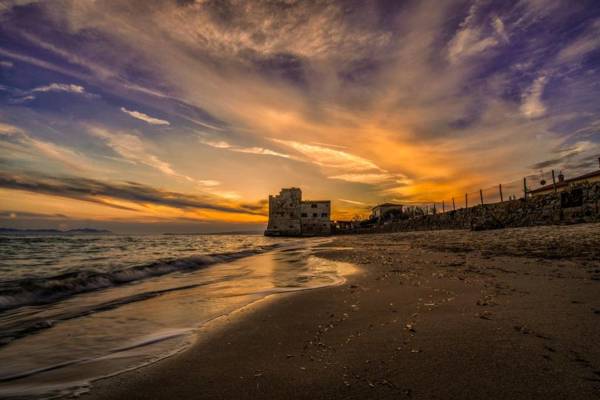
(83, 231)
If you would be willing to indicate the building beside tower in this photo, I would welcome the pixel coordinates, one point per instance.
(289, 215)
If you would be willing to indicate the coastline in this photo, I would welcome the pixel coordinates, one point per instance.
(441, 314)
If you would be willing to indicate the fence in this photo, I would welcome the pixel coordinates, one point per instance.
(517, 189)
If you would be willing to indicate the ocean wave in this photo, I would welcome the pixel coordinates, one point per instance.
(27, 326)
(37, 291)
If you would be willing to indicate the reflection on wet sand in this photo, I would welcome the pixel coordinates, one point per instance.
(104, 332)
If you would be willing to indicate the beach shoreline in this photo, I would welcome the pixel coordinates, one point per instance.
(443, 314)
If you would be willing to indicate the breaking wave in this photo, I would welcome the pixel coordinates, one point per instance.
(36, 291)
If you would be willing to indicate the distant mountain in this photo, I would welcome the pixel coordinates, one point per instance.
(83, 231)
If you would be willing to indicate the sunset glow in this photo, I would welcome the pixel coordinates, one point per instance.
(186, 115)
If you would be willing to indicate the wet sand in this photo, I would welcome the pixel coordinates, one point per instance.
(501, 314)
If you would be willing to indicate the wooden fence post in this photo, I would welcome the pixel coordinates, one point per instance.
(453, 205)
(553, 181)
(501, 197)
(466, 200)
(481, 195)
(525, 188)
(443, 207)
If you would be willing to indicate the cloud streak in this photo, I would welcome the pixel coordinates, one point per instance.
(532, 105)
(330, 158)
(132, 148)
(27, 143)
(109, 194)
(8, 214)
(145, 117)
(220, 144)
(59, 87)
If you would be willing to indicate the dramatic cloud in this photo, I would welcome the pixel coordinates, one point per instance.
(109, 194)
(330, 158)
(409, 100)
(241, 29)
(145, 117)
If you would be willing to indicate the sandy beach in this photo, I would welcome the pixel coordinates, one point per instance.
(511, 313)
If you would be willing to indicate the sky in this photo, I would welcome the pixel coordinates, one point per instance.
(183, 116)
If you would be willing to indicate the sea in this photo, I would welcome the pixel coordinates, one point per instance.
(77, 308)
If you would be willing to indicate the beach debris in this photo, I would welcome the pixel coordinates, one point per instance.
(303, 368)
(484, 315)
(290, 355)
(410, 327)
(550, 349)
(522, 329)
(488, 300)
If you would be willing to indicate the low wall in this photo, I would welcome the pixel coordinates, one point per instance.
(576, 205)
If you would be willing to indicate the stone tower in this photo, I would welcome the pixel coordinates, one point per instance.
(289, 215)
(284, 213)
